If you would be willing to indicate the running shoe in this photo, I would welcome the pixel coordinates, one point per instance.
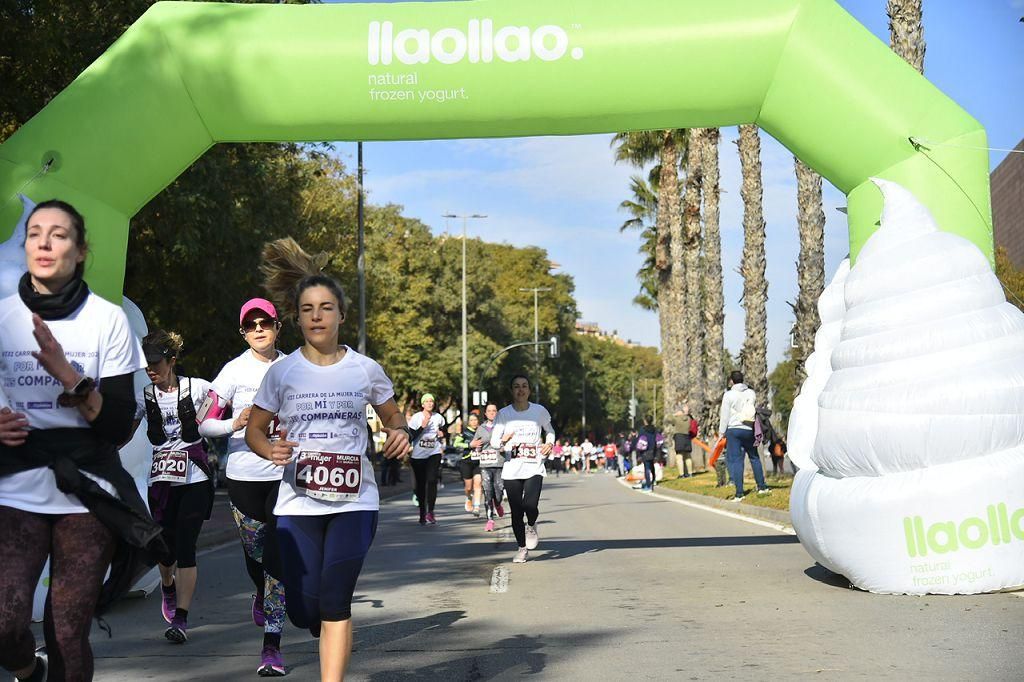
(168, 603)
(521, 556)
(500, 508)
(490, 525)
(431, 519)
(258, 616)
(423, 520)
(272, 664)
(476, 511)
(532, 539)
(737, 498)
(764, 491)
(178, 632)
(469, 505)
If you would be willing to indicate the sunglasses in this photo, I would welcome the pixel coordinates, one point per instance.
(250, 326)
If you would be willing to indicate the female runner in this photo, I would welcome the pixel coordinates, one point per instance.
(427, 428)
(180, 481)
(252, 481)
(328, 503)
(469, 467)
(518, 431)
(69, 357)
(491, 463)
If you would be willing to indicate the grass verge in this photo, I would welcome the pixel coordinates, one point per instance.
(706, 484)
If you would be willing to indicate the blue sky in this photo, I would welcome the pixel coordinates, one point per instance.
(563, 193)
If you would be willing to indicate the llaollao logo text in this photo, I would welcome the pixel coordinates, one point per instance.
(479, 43)
(998, 527)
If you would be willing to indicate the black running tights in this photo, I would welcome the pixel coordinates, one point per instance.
(425, 472)
(523, 499)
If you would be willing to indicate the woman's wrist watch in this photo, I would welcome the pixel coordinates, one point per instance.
(77, 394)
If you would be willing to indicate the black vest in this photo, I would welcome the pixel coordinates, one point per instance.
(186, 414)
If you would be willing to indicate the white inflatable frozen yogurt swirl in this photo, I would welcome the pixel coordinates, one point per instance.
(920, 438)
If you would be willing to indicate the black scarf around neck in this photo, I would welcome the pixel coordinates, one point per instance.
(53, 306)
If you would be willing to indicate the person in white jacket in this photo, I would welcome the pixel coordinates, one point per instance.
(736, 423)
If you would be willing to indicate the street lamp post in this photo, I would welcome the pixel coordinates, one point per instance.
(361, 257)
(536, 336)
(465, 343)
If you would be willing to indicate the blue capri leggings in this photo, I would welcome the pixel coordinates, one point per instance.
(321, 557)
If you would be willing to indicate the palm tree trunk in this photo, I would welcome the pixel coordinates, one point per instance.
(753, 357)
(691, 285)
(668, 240)
(906, 31)
(714, 300)
(810, 268)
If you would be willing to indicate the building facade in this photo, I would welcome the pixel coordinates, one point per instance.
(1008, 205)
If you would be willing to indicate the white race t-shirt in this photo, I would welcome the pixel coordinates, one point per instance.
(429, 442)
(526, 427)
(98, 341)
(324, 410)
(168, 403)
(237, 383)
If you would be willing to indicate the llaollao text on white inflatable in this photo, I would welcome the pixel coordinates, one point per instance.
(915, 483)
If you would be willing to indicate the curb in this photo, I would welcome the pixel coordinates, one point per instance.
(777, 516)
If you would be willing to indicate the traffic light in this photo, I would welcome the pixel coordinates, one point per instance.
(632, 408)
(553, 348)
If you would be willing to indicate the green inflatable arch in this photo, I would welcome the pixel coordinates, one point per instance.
(188, 75)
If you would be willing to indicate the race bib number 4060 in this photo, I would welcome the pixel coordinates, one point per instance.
(329, 476)
(170, 466)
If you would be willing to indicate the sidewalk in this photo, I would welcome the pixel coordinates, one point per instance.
(774, 515)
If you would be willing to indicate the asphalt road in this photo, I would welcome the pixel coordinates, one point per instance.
(623, 586)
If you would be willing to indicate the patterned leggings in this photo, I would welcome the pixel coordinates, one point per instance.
(494, 488)
(252, 505)
(80, 549)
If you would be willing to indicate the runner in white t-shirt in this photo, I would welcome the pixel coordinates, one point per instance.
(427, 428)
(253, 482)
(66, 363)
(327, 507)
(180, 480)
(523, 429)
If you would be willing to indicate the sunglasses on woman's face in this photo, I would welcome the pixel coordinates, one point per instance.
(249, 326)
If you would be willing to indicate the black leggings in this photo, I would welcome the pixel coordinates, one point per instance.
(523, 498)
(182, 520)
(256, 500)
(80, 549)
(425, 471)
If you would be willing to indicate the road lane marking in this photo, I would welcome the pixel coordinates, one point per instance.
(716, 510)
(499, 580)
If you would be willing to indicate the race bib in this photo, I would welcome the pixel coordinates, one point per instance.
(329, 476)
(531, 453)
(427, 443)
(170, 466)
(489, 457)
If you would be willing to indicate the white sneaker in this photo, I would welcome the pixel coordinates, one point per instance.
(764, 491)
(532, 539)
(521, 555)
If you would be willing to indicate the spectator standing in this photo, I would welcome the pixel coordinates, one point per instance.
(736, 421)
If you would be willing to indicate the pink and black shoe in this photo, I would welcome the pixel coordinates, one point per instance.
(178, 632)
(500, 509)
(272, 664)
(168, 602)
(431, 519)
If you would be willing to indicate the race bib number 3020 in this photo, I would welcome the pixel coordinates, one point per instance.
(170, 466)
(329, 476)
